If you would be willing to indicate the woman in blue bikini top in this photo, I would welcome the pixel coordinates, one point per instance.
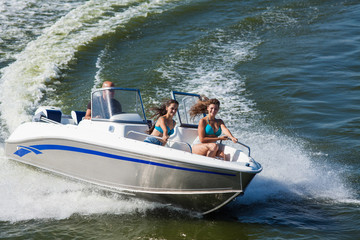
(164, 126)
(169, 131)
(210, 129)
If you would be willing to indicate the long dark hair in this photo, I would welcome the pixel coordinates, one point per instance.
(160, 111)
(201, 106)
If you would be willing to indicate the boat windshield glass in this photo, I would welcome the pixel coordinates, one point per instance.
(186, 101)
(117, 104)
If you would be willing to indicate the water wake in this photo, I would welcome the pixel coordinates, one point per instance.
(24, 82)
(289, 167)
(29, 193)
(32, 194)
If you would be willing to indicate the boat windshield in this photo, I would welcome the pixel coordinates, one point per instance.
(117, 104)
(186, 101)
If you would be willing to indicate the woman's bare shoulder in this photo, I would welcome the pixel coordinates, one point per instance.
(220, 121)
(160, 120)
(203, 120)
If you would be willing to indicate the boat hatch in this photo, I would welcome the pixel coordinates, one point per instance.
(118, 105)
(186, 101)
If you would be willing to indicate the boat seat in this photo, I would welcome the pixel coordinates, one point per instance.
(183, 146)
(54, 115)
(77, 116)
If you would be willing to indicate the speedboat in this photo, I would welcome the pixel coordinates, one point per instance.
(109, 151)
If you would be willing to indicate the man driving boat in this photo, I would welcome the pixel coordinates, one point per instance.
(104, 105)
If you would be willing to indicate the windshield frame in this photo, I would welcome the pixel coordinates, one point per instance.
(184, 122)
(139, 98)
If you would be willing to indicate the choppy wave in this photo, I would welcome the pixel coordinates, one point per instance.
(289, 168)
(23, 20)
(292, 172)
(99, 66)
(32, 194)
(211, 71)
(28, 193)
(24, 82)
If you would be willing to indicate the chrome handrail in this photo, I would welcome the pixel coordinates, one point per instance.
(144, 134)
(244, 146)
(241, 144)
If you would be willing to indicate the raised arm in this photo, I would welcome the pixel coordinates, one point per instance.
(162, 124)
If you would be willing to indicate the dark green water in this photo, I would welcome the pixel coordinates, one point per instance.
(287, 74)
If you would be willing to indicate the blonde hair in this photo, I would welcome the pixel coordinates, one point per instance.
(201, 106)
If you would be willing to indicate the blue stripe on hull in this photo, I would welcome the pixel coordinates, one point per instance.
(25, 150)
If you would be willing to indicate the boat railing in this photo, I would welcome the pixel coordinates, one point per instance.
(147, 135)
(242, 145)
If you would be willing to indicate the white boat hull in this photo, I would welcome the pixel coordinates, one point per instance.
(121, 164)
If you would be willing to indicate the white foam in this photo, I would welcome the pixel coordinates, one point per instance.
(23, 83)
(212, 73)
(99, 66)
(21, 21)
(290, 169)
(27, 193)
(274, 16)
